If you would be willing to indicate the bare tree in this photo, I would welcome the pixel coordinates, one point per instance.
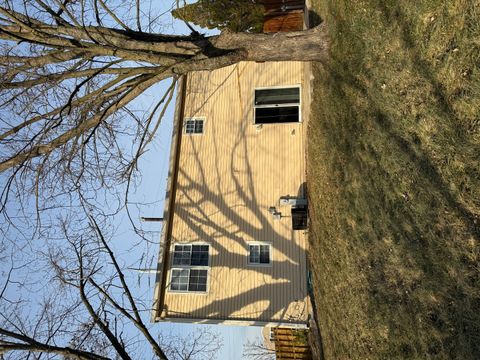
(67, 76)
(70, 71)
(257, 350)
(201, 345)
(88, 310)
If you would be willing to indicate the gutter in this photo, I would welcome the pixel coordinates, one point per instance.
(165, 237)
(239, 322)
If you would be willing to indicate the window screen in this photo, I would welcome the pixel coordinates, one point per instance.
(189, 280)
(277, 96)
(194, 126)
(259, 254)
(195, 255)
(271, 115)
(180, 279)
(280, 105)
(191, 273)
(182, 254)
(199, 255)
(198, 280)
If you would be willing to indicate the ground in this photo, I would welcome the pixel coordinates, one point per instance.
(394, 180)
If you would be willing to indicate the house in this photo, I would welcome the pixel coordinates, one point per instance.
(230, 251)
(233, 245)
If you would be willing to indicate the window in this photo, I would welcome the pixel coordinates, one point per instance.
(194, 126)
(278, 105)
(259, 254)
(194, 255)
(190, 268)
(189, 280)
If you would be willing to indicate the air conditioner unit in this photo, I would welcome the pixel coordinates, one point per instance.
(292, 201)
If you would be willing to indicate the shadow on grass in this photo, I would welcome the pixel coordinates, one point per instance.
(394, 237)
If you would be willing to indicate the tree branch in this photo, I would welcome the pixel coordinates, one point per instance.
(96, 319)
(138, 320)
(29, 344)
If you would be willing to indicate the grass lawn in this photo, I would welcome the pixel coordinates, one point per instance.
(394, 180)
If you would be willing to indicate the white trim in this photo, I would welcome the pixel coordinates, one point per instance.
(194, 118)
(235, 322)
(270, 254)
(299, 86)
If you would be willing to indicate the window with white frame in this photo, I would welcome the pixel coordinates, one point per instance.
(190, 268)
(194, 126)
(259, 254)
(277, 105)
(194, 280)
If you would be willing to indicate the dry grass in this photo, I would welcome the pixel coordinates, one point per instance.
(394, 180)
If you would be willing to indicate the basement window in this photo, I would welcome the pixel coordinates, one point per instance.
(259, 254)
(194, 126)
(277, 105)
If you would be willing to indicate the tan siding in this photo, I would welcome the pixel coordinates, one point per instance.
(228, 178)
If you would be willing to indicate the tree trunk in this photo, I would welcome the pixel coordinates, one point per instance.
(308, 45)
(229, 48)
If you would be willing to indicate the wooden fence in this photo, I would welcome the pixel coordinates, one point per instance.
(283, 15)
(291, 344)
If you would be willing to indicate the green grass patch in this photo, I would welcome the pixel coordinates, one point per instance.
(394, 180)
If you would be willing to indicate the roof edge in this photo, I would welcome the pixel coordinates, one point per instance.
(164, 253)
(237, 321)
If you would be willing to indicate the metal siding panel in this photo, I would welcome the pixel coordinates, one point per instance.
(219, 192)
